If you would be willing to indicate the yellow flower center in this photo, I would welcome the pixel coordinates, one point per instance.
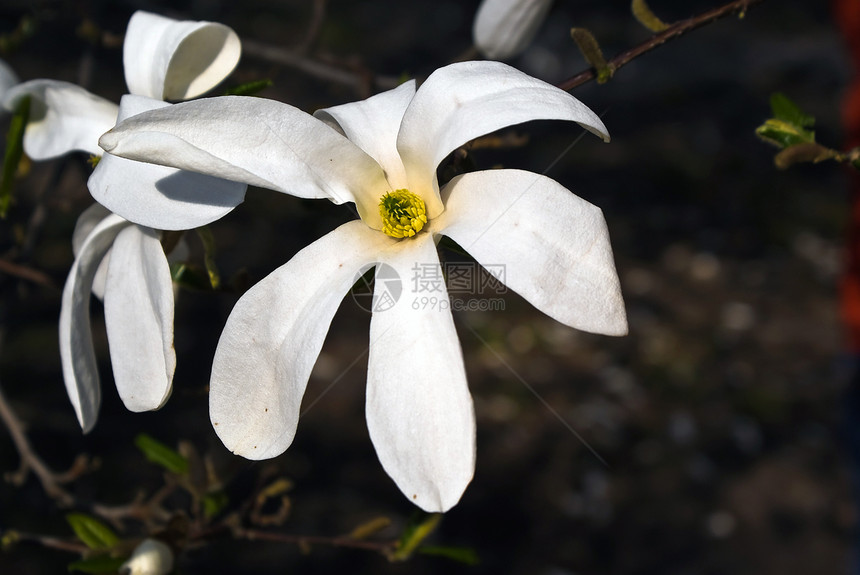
(403, 214)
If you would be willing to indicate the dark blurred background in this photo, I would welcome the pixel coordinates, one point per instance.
(719, 417)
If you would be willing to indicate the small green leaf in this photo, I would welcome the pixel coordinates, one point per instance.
(590, 49)
(784, 134)
(787, 111)
(160, 454)
(8, 539)
(214, 503)
(209, 255)
(419, 527)
(369, 528)
(643, 13)
(97, 565)
(189, 276)
(14, 153)
(249, 88)
(465, 555)
(92, 532)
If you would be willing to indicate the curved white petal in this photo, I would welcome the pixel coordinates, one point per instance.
(151, 557)
(63, 118)
(252, 140)
(87, 221)
(168, 59)
(419, 411)
(8, 78)
(157, 196)
(466, 100)
(503, 28)
(273, 336)
(372, 125)
(139, 319)
(554, 246)
(80, 371)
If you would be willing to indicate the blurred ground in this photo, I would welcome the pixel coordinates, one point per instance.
(718, 417)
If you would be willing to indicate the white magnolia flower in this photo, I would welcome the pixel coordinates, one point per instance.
(554, 245)
(121, 262)
(504, 28)
(151, 557)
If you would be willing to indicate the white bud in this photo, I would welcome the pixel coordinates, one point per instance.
(503, 28)
(151, 557)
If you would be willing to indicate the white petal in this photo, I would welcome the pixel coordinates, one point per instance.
(63, 118)
(87, 221)
(466, 100)
(252, 140)
(273, 337)
(419, 411)
(157, 196)
(151, 557)
(139, 319)
(168, 59)
(503, 28)
(8, 78)
(372, 125)
(76, 346)
(554, 246)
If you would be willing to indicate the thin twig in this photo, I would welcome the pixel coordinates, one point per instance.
(49, 542)
(314, 27)
(27, 273)
(29, 459)
(151, 512)
(316, 68)
(308, 540)
(674, 31)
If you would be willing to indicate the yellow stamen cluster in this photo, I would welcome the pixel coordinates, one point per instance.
(403, 214)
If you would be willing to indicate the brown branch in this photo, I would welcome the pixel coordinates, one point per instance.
(29, 459)
(27, 273)
(305, 541)
(72, 546)
(315, 25)
(674, 31)
(317, 68)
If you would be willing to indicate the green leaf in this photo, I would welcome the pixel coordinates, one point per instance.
(160, 454)
(92, 532)
(189, 276)
(214, 503)
(784, 134)
(209, 255)
(787, 111)
(465, 555)
(14, 153)
(369, 528)
(8, 539)
(592, 53)
(249, 88)
(643, 13)
(419, 527)
(97, 565)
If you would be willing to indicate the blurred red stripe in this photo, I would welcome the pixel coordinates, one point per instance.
(847, 16)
